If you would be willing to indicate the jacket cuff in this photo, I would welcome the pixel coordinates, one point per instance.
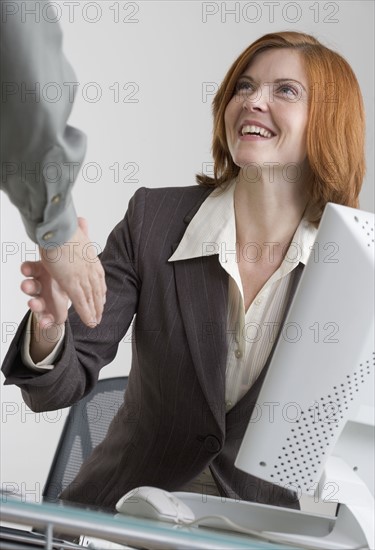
(48, 362)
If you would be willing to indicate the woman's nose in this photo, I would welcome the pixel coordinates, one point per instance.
(257, 100)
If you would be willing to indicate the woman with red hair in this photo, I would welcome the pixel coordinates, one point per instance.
(335, 132)
(207, 272)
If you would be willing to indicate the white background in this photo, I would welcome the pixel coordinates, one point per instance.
(169, 57)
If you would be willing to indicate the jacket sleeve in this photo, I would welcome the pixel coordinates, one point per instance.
(40, 154)
(85, 351)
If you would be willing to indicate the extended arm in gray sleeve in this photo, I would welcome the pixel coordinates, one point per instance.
(40, 154)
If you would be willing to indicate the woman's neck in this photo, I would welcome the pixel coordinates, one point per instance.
(268, 210)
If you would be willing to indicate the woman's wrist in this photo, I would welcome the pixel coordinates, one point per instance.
(43, 339)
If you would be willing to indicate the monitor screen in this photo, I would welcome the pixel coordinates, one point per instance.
(323, 359)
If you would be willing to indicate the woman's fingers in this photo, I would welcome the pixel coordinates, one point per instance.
(32, 269)
(37, 305)
(32, 287)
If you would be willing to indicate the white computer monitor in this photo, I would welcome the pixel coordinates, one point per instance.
(323, 361)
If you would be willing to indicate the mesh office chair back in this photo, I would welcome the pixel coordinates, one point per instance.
(84, 428)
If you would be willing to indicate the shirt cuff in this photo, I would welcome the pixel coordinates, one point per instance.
(48, 362)
(59, 230)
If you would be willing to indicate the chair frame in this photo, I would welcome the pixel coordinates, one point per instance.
(78, 424)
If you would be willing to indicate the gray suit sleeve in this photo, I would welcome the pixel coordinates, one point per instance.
(40, 154)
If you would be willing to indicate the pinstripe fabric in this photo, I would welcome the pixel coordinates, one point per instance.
(173, 423)
(250, 334)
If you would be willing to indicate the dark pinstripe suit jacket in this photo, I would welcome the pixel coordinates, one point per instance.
(173, 423)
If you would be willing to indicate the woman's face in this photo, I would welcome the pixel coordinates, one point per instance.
(266, 119)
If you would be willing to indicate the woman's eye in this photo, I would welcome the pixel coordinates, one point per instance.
(287, 91)
(243, 86)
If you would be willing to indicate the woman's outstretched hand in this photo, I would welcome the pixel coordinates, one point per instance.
(49, 304)
(79, 272)
(55, 279)
(48, 301)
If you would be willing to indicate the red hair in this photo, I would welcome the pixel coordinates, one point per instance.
(335, 128)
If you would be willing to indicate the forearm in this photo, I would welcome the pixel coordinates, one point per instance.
(43, 340)
(40, 154)
(85, 351)
(45, 388)
(74, 371)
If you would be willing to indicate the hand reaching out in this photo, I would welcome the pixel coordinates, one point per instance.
(49, 302)
(55, 279)
(71, 274)
(80, 275)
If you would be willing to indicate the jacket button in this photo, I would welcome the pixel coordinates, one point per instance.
(212, 444)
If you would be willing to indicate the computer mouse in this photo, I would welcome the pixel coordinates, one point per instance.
(154, 503)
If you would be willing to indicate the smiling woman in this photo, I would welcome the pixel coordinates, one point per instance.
(208, 273)
(271, 114)
(335, 132)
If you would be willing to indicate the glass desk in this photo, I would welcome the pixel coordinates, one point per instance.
(135, 532)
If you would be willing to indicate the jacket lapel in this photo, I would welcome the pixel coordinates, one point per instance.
(202, 288)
